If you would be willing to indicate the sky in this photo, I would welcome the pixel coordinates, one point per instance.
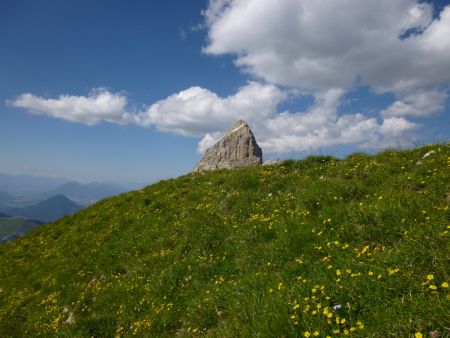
(135, 91)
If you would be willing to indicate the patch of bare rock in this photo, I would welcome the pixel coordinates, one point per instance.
(238, 148)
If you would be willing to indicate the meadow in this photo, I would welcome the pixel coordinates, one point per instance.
(320, 247)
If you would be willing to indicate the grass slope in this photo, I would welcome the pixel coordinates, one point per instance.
(318, 247)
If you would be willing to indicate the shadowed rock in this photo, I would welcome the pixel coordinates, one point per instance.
(238, 148)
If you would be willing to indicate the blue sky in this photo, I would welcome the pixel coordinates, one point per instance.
(135, 90)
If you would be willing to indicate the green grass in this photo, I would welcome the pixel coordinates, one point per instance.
(258, 252)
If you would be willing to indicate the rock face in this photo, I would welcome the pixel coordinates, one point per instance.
(238, 148)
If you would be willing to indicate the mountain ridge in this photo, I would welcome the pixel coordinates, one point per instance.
(47, 210)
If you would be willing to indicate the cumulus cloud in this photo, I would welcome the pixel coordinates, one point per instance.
(391, 45)
(321, 126)
(197, 111)
(99, 105)
(424, 103)
(307, 47)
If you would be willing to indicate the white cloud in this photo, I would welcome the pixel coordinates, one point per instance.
(99, 105)
(321, 126)
(197, 111)
(423, 103)
(395, 126)
(322, 48)
(391, 45)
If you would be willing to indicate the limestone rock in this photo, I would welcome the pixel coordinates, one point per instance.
(238, 148)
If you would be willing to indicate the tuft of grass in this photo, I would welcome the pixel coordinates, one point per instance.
(318, 247)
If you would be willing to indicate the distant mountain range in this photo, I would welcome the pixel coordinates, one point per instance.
(48, 210)
(22, 185)
(87, 193)
(28, 201)
(26, 190)
(5, 198)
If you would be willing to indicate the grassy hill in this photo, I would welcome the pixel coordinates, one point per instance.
(319, 247)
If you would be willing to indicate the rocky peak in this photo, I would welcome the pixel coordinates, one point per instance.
(238, 148)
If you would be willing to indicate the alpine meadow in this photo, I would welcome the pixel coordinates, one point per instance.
(316, 247)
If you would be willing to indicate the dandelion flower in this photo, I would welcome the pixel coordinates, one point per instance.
(307, 334)
(445, 285)
(418, 335)
(430, 277)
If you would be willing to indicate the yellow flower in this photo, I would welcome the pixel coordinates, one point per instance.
(418, 335)
(445, 285)
(307, 334)
(433, 287)
(370, 273)
(338, 272)
(430, 277)
(296, 306)
(316, 333)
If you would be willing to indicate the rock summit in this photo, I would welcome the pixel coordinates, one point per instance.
(238, 148)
